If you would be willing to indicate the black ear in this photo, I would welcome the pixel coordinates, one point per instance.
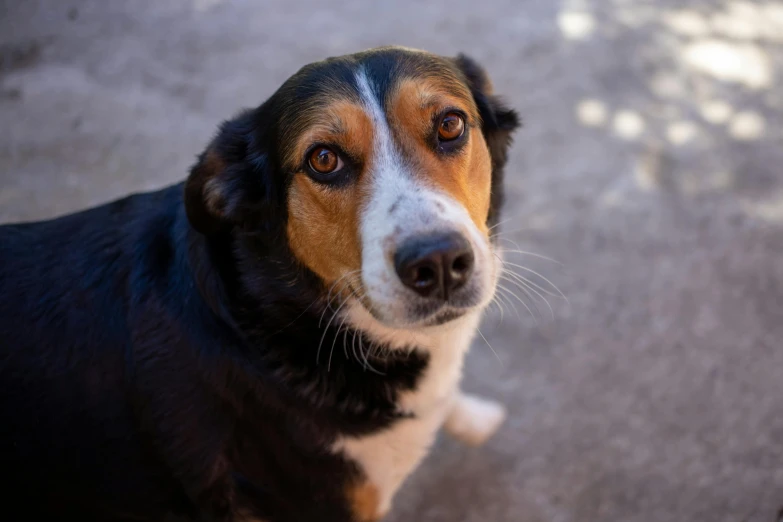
(498, 124)
(231, 183)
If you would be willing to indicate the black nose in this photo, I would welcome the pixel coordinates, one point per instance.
(435, 266)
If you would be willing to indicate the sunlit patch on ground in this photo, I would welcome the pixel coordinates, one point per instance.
(628, 124)
(592, 113)
(750, 21)
(741, 63)
(770, 209)
(681, 132)
(735, 21)
(747, 125)
(687, 22)
(576, 25)
(716, 112)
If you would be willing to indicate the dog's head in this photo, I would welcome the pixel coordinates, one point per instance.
(382, 172)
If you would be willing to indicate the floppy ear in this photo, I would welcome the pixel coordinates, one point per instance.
(498, 123)
(232, 181)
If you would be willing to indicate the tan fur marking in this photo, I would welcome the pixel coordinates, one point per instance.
(465, 176)
(211, 167)
(323, 224)
(424, 96)
(213, 163)
(245, 516)
(364, 500)
(338, 121)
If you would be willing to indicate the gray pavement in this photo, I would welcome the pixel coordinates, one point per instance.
(650, 166)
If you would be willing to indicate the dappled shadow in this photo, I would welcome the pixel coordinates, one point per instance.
(701, 96)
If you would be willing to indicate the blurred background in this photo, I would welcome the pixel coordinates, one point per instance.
(650, 167)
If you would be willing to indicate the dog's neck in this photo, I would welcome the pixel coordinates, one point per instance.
(446, 346)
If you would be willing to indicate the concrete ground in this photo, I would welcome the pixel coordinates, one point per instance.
(651, 167)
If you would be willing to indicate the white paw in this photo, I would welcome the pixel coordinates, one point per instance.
(473, 420)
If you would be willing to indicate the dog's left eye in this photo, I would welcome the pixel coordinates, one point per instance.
(451, 127)
(324, 160)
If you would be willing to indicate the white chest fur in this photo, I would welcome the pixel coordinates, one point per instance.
(388, 457)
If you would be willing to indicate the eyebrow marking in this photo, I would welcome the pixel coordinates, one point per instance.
(439, 93)
(336, 126)
(428, 104)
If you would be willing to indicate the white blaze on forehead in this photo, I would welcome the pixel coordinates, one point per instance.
(385, 156)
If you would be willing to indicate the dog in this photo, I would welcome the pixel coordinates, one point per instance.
(280, 337)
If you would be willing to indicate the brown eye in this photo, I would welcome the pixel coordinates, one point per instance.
(451, 127)
(324, 160)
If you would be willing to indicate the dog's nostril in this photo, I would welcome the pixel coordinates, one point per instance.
(425, 276)
(461, 269)
(462, 263)
(435, 266)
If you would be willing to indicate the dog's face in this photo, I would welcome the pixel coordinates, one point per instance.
(382, 168)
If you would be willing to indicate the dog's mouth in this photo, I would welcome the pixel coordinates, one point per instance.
(444, 316)
(420, 315)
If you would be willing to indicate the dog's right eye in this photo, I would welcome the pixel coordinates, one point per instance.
(324, 160)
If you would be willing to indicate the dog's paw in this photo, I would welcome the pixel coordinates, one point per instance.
(473, 420)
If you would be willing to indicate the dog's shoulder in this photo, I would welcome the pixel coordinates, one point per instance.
(68, 270)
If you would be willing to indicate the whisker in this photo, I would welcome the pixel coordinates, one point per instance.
(495, 301)
(315, 301)
(510, 303)
(526, 284)
(490, 346)
(345, 344)
(542, 277)
(328, 307)
(525, 252)
(510, 232)
(379, 352)
(367, 364)
(515, 296)
(326, 330)
(353, 344)
(345, 275)
(500, 223)
(507, 302)
(330, 299)
(334, 341)
(527, 290)
(297, 317)
(358, 296)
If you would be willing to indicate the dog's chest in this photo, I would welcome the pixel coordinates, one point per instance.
(388, 457)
